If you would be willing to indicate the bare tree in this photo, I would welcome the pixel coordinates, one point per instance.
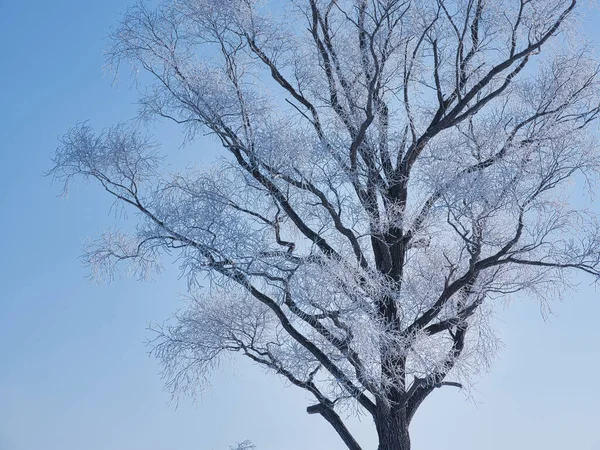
(395, 167)
(246, 445)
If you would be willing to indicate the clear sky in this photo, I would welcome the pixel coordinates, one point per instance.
(74, 373)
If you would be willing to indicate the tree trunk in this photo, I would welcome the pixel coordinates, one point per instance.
(392, 430)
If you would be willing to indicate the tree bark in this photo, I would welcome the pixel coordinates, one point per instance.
(392, 430)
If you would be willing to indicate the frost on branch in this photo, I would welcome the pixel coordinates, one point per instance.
(394, 170)
(210, 327)
(121, 159)
(245, 445)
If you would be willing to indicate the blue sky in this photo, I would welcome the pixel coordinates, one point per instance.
(73, 366)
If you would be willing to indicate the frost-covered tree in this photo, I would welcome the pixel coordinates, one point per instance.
(246, 445)
(394, 169)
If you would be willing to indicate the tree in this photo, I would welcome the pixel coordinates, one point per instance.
(394, 168)
(246, 445)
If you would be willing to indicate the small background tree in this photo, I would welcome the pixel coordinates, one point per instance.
(395, 168)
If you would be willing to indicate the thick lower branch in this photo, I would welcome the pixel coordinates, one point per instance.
(336, 422)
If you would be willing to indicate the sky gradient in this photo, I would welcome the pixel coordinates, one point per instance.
(74, 373)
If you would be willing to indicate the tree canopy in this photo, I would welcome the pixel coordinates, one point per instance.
(394, 168)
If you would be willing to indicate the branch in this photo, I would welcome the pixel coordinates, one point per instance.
(326, 410)
(421, 388)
